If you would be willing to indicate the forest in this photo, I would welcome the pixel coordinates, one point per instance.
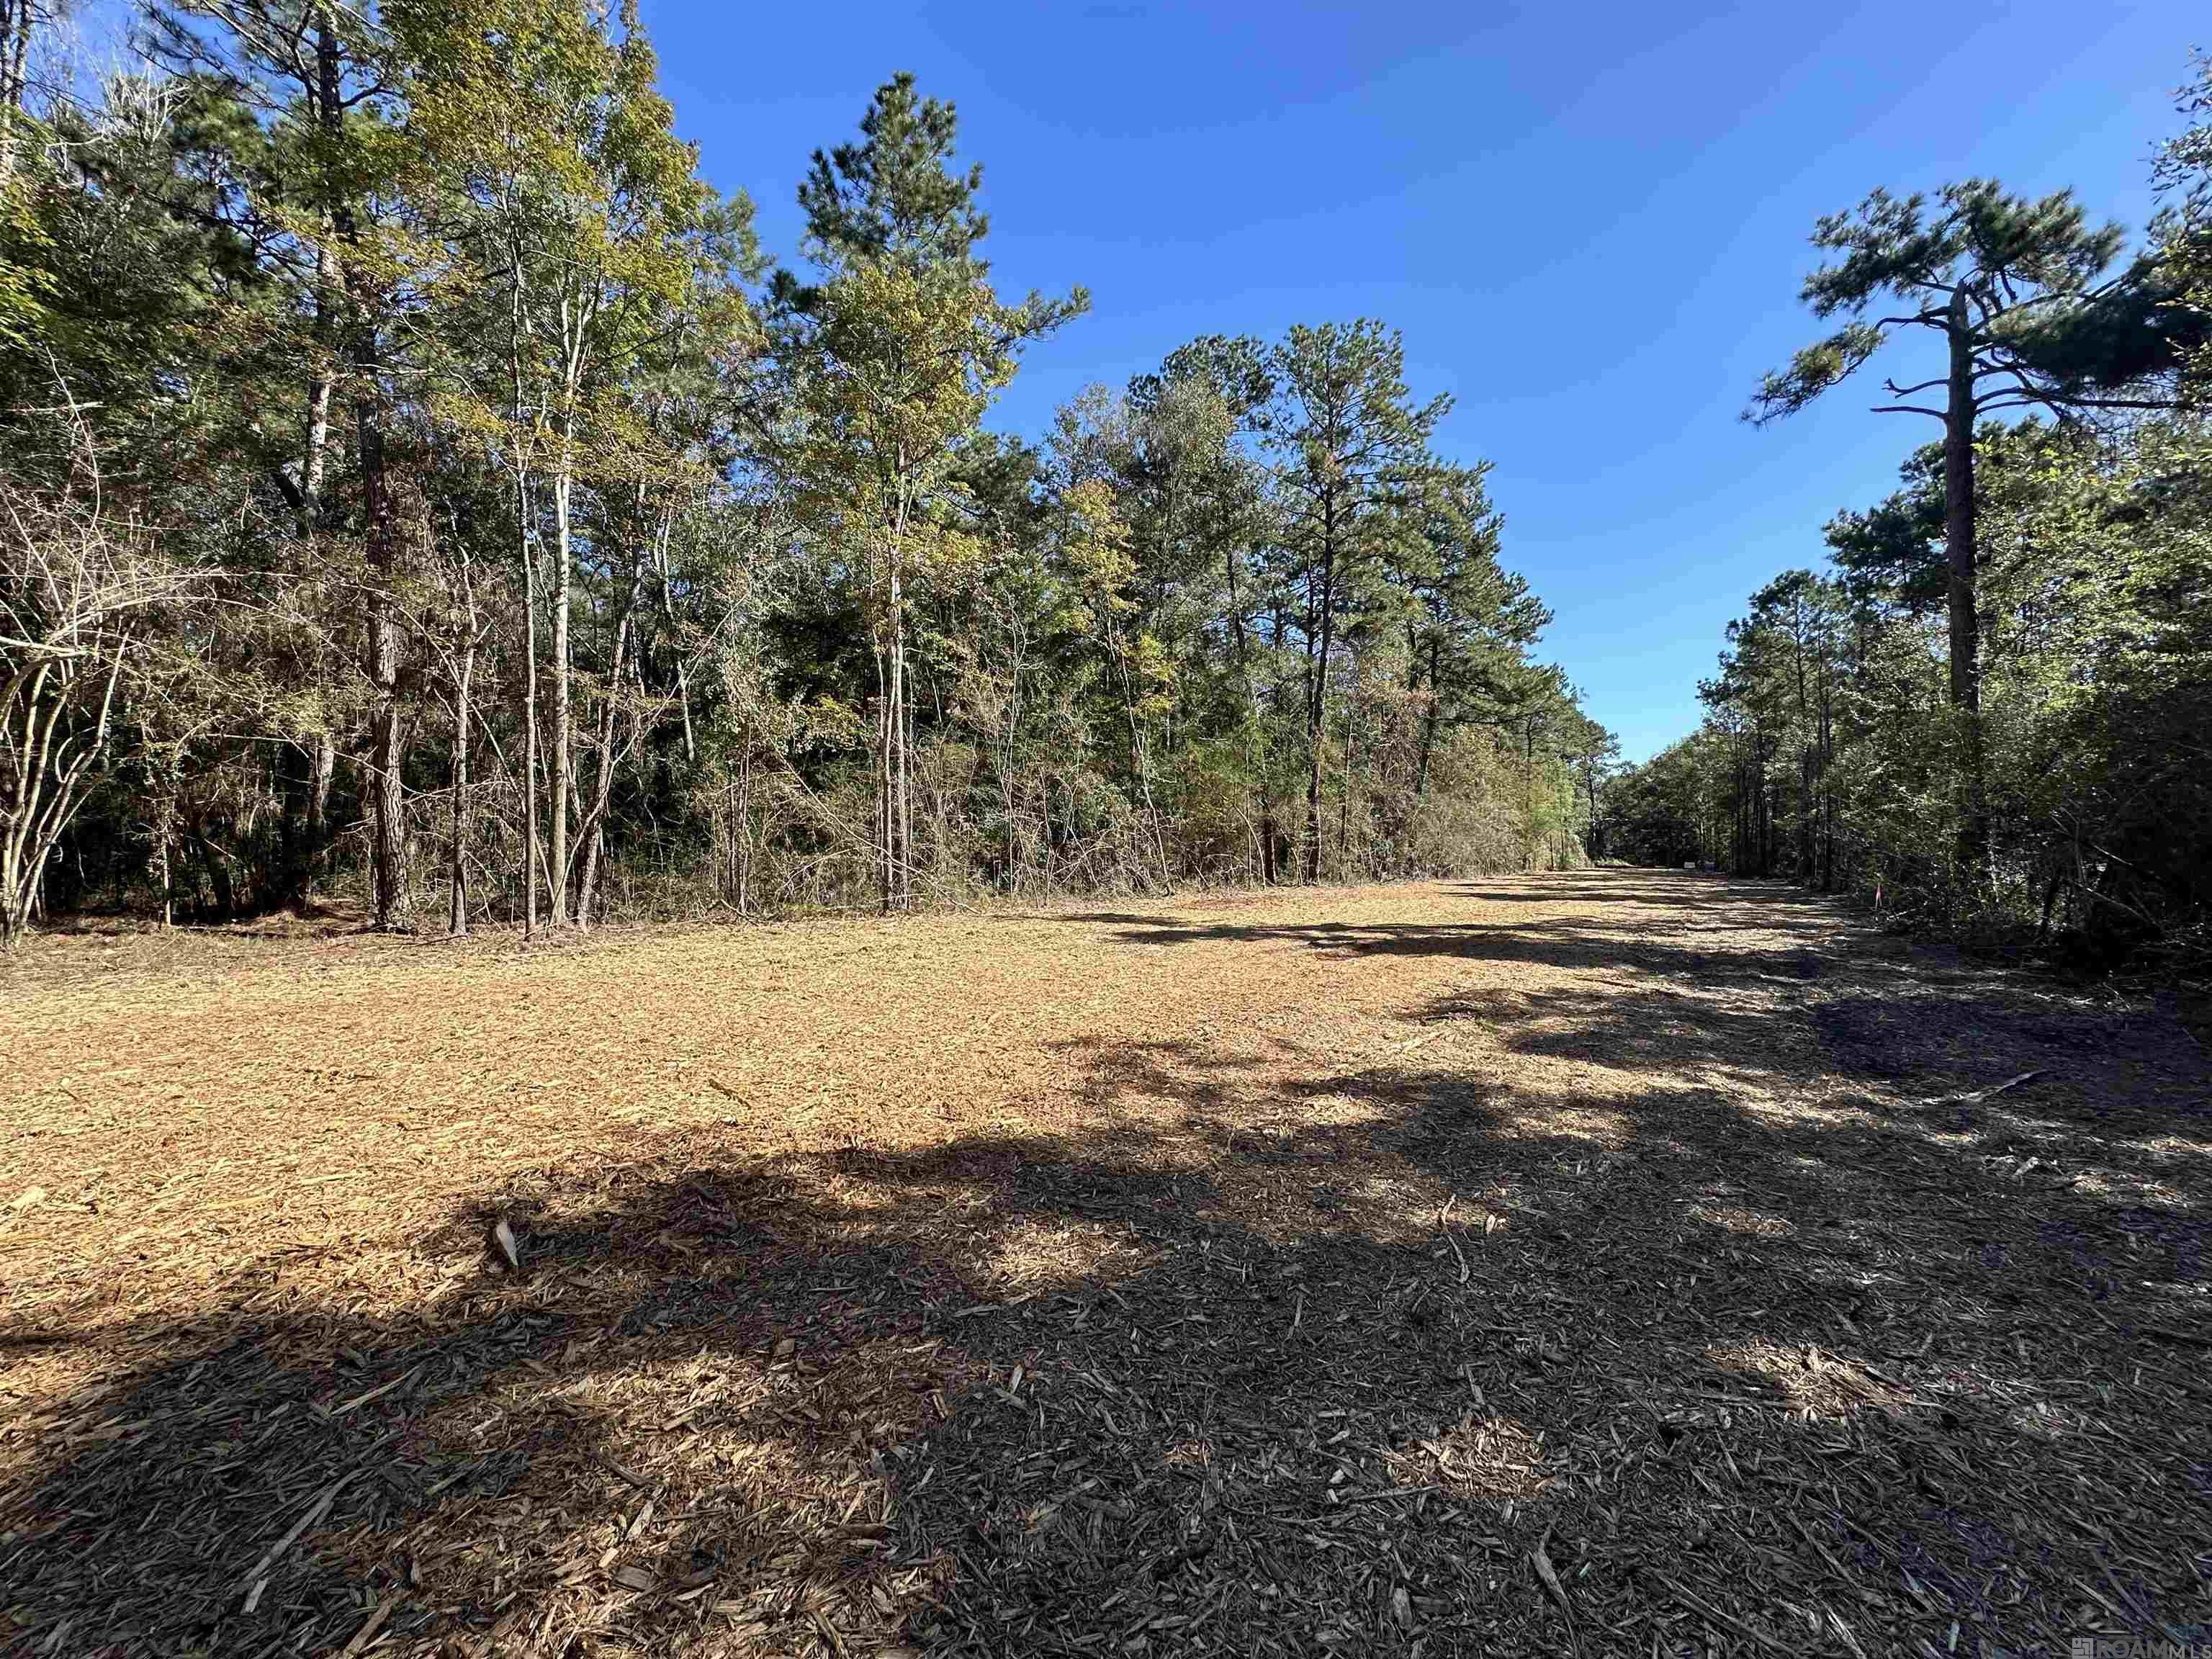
(425, 497)
(1987, 711)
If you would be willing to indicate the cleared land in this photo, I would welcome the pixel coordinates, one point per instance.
(1569, 1263)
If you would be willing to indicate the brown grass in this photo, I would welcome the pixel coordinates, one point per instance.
(1597, 1263)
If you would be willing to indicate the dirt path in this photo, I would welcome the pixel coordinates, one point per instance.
(1582, 1262)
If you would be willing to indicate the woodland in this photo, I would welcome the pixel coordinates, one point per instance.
(426, 501)
(426, 498)
(1988, 712)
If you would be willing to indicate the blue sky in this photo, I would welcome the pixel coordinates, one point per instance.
(1589, 221)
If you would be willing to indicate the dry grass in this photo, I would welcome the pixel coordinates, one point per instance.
(1592, 1264)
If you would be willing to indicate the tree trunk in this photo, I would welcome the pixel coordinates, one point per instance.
(627, 649)
(745, 830)
(218, 872)
(281, 887)
(1431, 717)
(895, 816)
(1140, 760)
(389, 812)
(603, 781)
(883, 774)
(304, 774)
(1343, 794)
(529, 704)
(163, 832)
(563, 759)
(902, 721)
(1828, 799)
(388, 817)
(324, 769)
(457, 879)
(1318, 696)
(1528, 787)
(1959, 528)
(668, 617)
(1238, 633)
(316, 440)
(20, 16)
(388, 796)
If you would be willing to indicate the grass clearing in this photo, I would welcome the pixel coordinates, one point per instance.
(1572, 1261)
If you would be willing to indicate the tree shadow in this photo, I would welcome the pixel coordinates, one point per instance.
(1716, 1332)
(1562, 945)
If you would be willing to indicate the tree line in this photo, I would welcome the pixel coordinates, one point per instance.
(422, 490)
(1992, 710)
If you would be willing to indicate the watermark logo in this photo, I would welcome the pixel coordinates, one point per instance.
(2176, 1642)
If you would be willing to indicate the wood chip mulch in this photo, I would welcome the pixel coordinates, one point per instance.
(1622, 1262)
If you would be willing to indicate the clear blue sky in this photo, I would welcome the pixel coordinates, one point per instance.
(1589, 220)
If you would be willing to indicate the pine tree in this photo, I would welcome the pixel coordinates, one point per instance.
(1352, 442)
(2016, 290)
(892, 355)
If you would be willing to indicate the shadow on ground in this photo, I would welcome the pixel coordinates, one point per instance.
(1780, 1350)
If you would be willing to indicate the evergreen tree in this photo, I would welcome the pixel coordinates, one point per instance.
(2016, 290)
(1352, 444)
(893, 354)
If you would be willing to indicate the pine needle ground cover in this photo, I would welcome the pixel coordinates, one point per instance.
(1575, 1263)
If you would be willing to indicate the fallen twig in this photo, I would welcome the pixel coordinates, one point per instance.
(315, 1512)
(1977, 1095)
(1444, 1222)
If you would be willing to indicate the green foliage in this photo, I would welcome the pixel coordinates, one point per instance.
(2015, 278)
(1832, 754)
(509, 476)
(2182, 234)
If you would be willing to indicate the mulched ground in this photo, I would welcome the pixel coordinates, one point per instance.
(1620, 1262)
